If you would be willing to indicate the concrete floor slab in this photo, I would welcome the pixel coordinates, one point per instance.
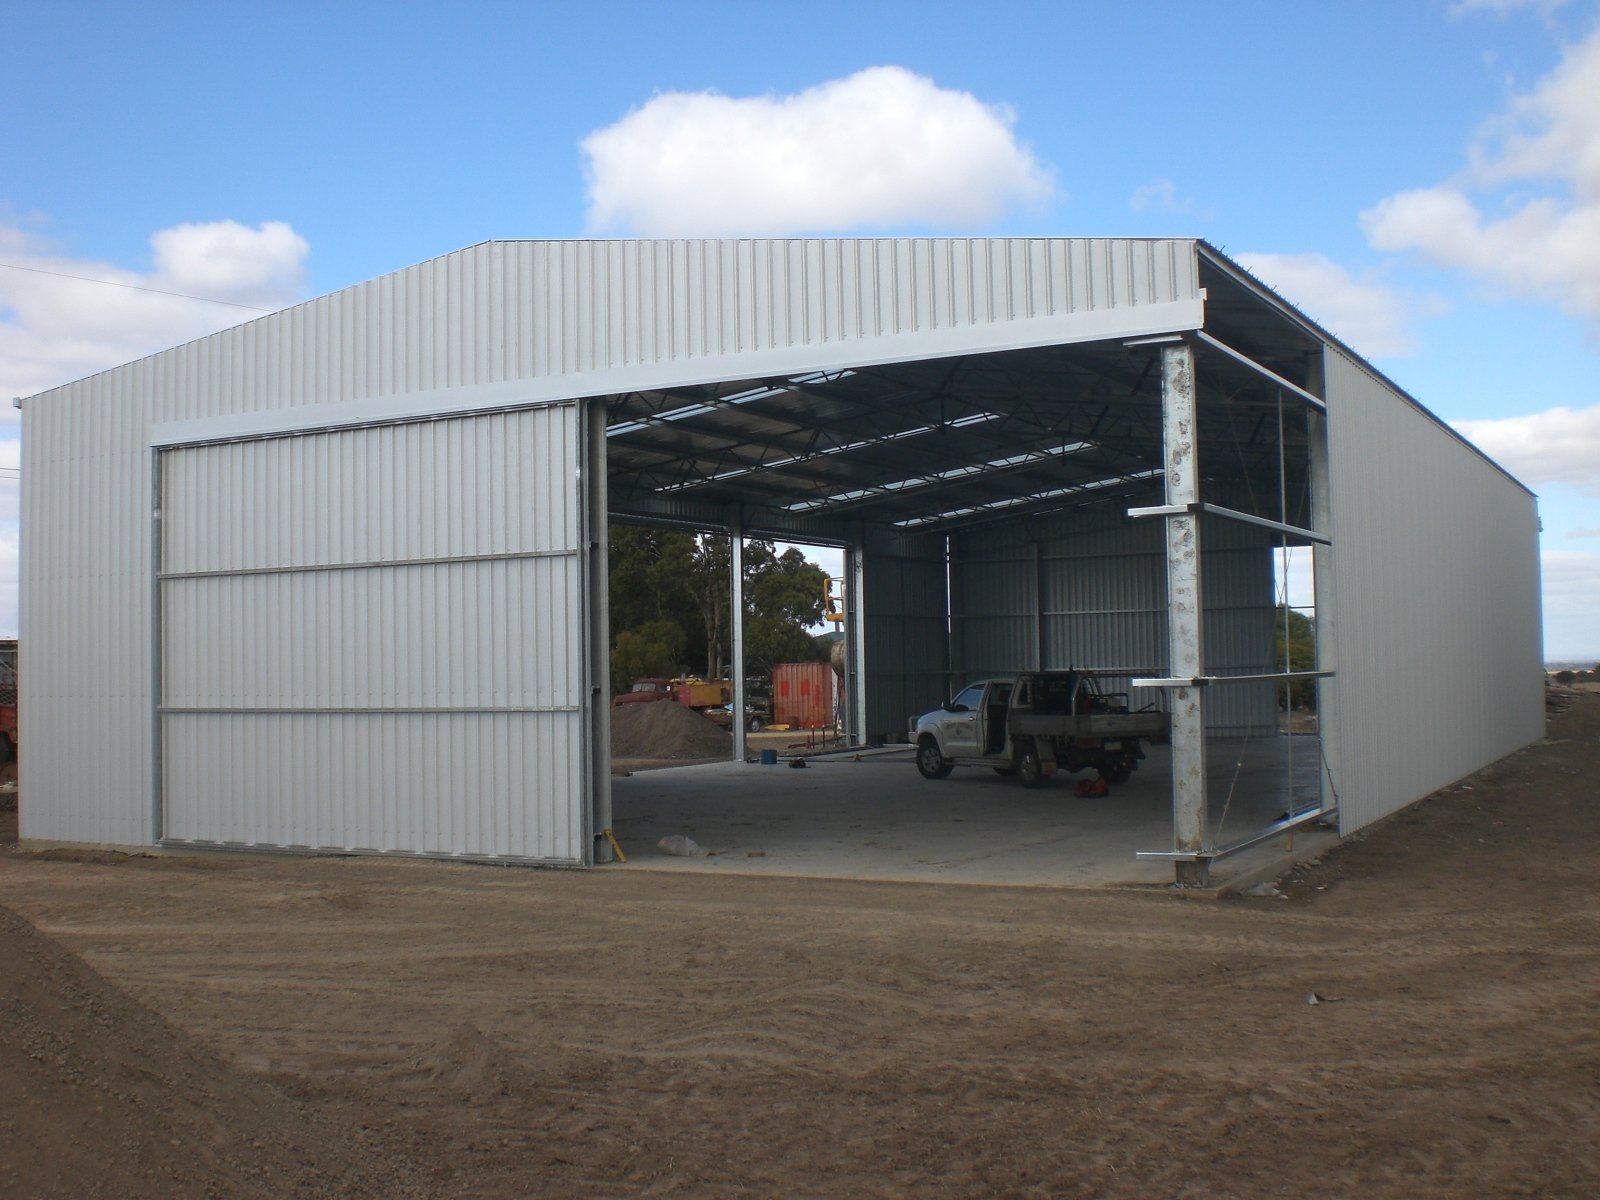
(873, 817)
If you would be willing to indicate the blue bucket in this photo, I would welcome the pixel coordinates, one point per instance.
(769, 758)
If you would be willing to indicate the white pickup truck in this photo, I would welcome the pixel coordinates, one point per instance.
(1030, 724)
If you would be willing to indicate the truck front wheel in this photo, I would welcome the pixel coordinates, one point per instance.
(930, 762)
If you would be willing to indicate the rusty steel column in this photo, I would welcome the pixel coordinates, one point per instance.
(1180, 445)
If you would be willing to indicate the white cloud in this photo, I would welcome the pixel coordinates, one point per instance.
(1294, 577)
(1371, 316)
(1559, 445)
(10, 480)
(1525, 214)
(54, 329)
(1161, 195)
(881, 148)
(1505, 8)
(9, 576)
(1571, 580)
(224, 260)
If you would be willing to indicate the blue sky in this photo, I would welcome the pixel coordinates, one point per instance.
(1423, 177)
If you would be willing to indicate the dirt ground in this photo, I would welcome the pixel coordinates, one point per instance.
(334, 1026)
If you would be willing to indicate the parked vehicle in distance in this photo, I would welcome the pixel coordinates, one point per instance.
(690, 691)
(754, 719)
(645, 691)
(694, 692)
(1030, 724)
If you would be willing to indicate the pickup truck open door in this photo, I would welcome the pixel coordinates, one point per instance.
(973, 724)
(958, 721)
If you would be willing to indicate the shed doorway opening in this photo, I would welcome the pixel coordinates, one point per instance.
(756, 658)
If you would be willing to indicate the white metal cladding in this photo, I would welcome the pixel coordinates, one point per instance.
(907, 638)
(1436, 575)
(620, 316)
(1062, 593)
(85, 615)
(496, 325)
(372, 639)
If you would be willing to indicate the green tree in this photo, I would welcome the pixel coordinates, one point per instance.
(1294, 648)
(783, 599)
(649, 572)
(652, 651)
(653, 625)
(710, 583)
(662, 578)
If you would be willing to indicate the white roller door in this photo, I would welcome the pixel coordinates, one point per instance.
(374, 639)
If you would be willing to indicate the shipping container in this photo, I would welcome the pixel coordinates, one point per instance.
(802, 695)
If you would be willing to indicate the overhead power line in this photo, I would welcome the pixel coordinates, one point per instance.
(135, 287)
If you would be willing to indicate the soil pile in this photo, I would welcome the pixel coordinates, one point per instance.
(666, 730)
(101, 1097)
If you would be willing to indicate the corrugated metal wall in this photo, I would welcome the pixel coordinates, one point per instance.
(1436, 569)
(540, 310)
(1092, 593)
(85, 615)
(460, 327)
(373, 639)
(908, 640)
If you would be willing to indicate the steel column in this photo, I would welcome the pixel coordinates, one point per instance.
(1040, 654)
(1180, 445)
(856, 638)
(1326, 613)
(592, 431)
(157, 656)
(736, 626)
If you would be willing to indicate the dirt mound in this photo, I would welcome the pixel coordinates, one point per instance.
(101, 1097)
(666, 730)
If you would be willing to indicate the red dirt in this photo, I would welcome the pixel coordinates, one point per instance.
(497, 1033)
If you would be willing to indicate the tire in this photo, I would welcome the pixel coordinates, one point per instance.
(930, 763)
(1031, 767)
(755, 725)
(1118, 772)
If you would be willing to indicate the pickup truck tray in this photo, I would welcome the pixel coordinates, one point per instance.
(1152, 725)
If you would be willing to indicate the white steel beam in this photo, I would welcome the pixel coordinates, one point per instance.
(736, 624)
(1180, 446)
(856, 650)
(1232, 514)
(1326, 627)
(157, 653)
(596, 541)
(1294, 389)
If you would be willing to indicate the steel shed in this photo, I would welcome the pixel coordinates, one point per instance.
(335, 578)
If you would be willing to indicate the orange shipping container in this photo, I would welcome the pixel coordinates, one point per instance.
(802, 695)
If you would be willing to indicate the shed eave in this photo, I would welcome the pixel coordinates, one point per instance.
(1177, 316)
